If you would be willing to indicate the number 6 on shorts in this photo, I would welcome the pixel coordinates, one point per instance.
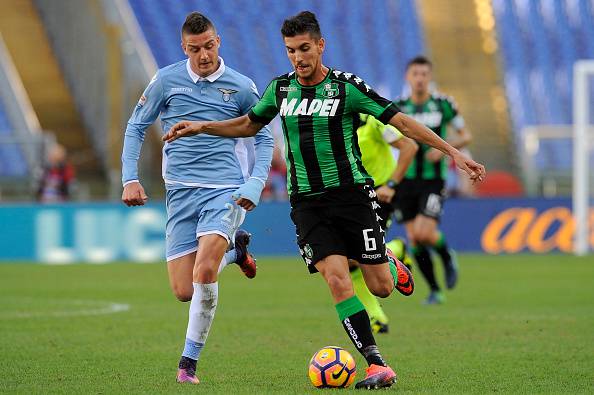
(370, 244)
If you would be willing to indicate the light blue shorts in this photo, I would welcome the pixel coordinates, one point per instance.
(195, 212)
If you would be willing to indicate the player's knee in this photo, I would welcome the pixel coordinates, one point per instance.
(206, 273)
(383, 289)
(183, 294)
(340, 286)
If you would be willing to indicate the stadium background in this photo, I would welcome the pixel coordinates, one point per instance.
(71, 72)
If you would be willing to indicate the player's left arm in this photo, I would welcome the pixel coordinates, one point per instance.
(367, 101)
(419, 132)
(248, 195)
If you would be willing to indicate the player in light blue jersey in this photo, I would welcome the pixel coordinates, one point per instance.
(210, 180)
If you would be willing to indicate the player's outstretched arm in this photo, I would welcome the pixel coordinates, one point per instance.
(416, 131)
(237, 127)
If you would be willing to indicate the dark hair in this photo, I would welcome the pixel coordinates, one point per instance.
(421, 60)
(196, 23)
(304, 22)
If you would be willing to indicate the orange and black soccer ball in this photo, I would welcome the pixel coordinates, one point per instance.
(332, 367)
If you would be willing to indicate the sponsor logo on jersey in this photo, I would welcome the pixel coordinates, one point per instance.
(227, 93)
(322, 108)
(181, 89)
(429, 119)
(288, 88)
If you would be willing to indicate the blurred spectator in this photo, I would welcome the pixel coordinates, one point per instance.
(58, 176)
(276, 185)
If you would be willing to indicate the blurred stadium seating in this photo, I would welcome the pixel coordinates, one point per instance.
(252, 43)
(540, 41)
(95, 81)
(12, 159)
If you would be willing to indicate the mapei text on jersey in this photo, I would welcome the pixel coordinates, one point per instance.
(322, 108)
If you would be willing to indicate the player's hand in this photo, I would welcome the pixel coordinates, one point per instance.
(246, 204)
(183, 129)
(248, 195)
(385, 194)
(475, 170)
(133, 195)
(433, 155)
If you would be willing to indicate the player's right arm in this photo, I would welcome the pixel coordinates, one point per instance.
(245, 126)
(145, 113)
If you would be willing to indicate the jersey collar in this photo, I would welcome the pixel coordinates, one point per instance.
(211, 78)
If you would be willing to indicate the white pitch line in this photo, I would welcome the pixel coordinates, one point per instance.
(108, 308)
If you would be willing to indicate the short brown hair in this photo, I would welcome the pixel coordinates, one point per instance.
(304, 22)
(196, 23)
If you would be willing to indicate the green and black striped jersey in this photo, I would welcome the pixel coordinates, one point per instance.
(319, 124)
(436, 113)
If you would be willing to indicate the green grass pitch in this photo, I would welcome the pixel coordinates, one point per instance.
(515, 324)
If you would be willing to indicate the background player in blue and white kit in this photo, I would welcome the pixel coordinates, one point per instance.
(210, 180)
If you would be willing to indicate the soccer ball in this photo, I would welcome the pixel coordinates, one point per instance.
(332, 367)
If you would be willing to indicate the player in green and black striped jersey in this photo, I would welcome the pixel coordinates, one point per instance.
(333, 202)
(419, 196)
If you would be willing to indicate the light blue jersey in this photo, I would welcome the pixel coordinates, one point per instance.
(202, 173)
(178, 94)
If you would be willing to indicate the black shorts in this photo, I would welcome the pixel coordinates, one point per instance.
(385, 211)
(341, 221)
(415, 197)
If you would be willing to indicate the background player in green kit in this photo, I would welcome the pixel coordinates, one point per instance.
(376, 141)
(420, 195)
(331, 193)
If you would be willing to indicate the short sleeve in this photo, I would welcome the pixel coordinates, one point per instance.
(266, 109)
(365, 100)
